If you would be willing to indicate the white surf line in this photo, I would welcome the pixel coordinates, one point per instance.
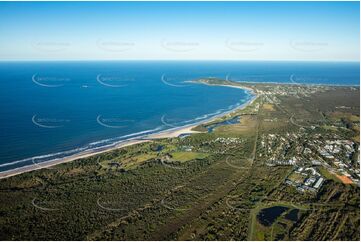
(109, 209)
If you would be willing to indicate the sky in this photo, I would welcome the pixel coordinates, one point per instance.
(300, 31)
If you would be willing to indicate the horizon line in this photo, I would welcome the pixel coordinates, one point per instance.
(175, 60)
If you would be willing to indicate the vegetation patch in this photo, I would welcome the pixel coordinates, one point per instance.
(268, 107)
(187, 156)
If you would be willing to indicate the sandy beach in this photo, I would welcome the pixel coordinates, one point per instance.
(171, 133)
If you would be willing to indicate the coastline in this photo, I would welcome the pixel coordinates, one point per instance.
(169, 133)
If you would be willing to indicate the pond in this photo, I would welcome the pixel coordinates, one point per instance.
(267, 216)
(157, 148)
(292, 215)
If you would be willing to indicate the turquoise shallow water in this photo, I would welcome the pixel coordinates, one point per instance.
(55, 109)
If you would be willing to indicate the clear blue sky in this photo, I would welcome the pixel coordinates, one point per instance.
(180, 30)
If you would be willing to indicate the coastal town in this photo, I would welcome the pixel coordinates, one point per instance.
(312, 143)
(338, 156)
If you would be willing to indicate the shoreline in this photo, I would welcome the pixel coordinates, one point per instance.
(169, 133)
(278, 83)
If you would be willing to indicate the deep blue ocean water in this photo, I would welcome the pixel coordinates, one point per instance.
(60, 108)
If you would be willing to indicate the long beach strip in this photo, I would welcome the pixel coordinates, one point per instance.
(169, 133)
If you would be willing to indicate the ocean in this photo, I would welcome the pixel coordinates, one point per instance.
(54, 109)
